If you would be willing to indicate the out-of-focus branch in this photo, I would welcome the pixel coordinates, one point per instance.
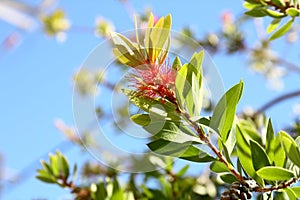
(277, 100)
(288, 65)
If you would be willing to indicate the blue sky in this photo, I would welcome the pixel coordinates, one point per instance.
(36, 84)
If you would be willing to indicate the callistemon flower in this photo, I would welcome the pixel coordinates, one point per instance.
(155, 81)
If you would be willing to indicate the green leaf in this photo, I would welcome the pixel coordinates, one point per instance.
(98, 190)
(118, 193)
(273, 25)
(176, 66)
(269, 136)
(296, 190)
(282, 30)
(195, 67)
(218, 167)
(279, 3)
(250, 131)
(180, 150)
(54, 164)
(182, 88)
(74, 173)
(250, 6)
(166, 187)
(293, 12)
(244, 155)
(171, 132)
(257, 12)
(274, 148)
(224, 113)
(231, 141)
(126, 51)
(290, 193)
(129, 195)
(46, 177)
(46, 167)
(228, 178)
(64, 165)
(182, 171)
(197, 94)
(188, 85)
(275, 173)
(290, 147)
(259, 157)
(159, 37)
(141, 119)
(275, 14)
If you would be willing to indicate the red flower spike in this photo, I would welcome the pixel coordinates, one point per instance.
(155, 81)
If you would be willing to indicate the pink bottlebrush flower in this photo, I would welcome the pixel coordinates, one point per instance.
(155, 81)
(227, 17)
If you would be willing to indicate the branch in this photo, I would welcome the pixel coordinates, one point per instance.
(288, 65)
(219, 154)
(277, 100)
(280, 186)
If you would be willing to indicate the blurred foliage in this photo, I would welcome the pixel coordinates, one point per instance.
(56, 24)
(103, 27)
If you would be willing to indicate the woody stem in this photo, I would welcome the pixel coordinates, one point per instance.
(218, 153)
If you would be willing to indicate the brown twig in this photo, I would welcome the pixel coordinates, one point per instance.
(280, 186)
(219, 154)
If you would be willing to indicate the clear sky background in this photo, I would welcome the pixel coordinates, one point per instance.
(36, 84)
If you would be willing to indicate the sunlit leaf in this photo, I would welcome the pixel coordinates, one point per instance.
(282, 30)
(118, 193)
(224, 113)
(290, 193)
(275, 173)
(274, 148)
(46, 177)
(296, 190)
(182, 171)
(54, 164)
(176, 64)
(290, 147)
(273, 25)
(188, 85)
(293, 12)
(274, 13)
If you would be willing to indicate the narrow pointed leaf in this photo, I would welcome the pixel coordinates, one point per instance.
(224, 113)
(259, 157)
(273, 25)
(282, 30)
(290, 147)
